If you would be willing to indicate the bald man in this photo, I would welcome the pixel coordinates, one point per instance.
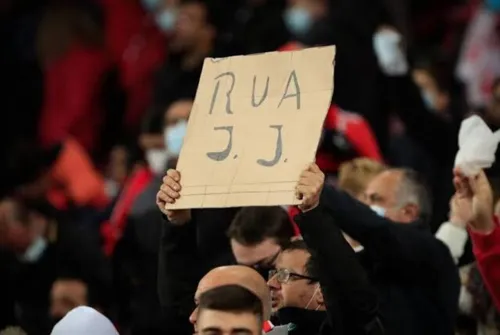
(234, 275)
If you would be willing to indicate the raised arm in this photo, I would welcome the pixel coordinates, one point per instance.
(401, 245)
(475, 196)
(352, 304)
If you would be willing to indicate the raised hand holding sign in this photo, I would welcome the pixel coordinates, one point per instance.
(256, 122)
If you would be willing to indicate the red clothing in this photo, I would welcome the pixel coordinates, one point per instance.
(75, 179)
(72, 104)
(356, 130)
(487, 251)
(138, 48)
(112, 230)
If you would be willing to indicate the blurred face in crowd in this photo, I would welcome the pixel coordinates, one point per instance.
(261, 257)
(211, 322)
(65, 295)
(382, 195)
(192, 30)
(15, 235)
(166, 14)
(432, 95)
(176, 118)
(230, 275)
(300, 15)
(493, 110)
(289, 284)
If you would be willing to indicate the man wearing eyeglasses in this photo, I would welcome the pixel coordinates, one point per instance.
(294, 283)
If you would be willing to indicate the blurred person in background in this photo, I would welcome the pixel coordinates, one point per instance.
(137, 42)
(193, 39)
(44, 247)
(78, 74)
(259, 245)
(230, 309)
(63, 174)
(68, 293)
(413, 271)
(354, 177)
(254, 19)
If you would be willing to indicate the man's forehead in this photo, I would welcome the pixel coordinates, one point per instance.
(291, 259)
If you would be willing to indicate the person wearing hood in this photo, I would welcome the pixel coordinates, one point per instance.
(84, 320)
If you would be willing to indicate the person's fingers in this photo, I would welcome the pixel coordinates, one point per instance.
(298, 195)
(307, 178)
(170, 181)
(174, 174)
(162, 196)
(313, 167)
(302, 192)
(169, 191)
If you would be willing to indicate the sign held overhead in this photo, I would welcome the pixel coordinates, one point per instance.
(255, 125)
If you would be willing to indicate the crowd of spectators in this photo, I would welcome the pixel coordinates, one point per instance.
(96, 96)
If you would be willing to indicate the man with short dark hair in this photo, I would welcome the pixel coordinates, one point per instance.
(258, 245)
(230, 309)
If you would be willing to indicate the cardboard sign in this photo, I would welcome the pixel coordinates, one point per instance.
(255, 125)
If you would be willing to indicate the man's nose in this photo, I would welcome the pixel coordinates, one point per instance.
(193, 317)
(273, 283)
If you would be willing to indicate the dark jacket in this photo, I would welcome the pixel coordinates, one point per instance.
(187, 253)
(351, 301)
(414, 273)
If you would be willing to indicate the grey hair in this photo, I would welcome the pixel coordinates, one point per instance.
(413, 189)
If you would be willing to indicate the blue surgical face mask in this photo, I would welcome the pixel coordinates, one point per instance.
(35, 250)
(166, 20)
(157, 160)
(150, 5)
(298, 20)
(379, 210)
(493, 5)
(174, 136)
(428, 99)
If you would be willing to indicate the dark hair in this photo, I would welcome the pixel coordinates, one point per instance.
(252, 225)
(436, 70)
(310, 268)
(413, 189)
(213, 11)
(233, 299)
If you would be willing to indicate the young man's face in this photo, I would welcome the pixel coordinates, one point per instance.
(211, 322)
(261, 256)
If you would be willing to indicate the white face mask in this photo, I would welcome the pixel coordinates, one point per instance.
(35, 250)
(312, 298)
(157, 160)
(379, 210)
(174, 137)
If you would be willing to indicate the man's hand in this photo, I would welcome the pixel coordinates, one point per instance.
(168, 194)
(460, 212)
(309, 187)
(475, 200)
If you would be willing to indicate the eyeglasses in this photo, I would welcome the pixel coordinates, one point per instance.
(283, 276)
